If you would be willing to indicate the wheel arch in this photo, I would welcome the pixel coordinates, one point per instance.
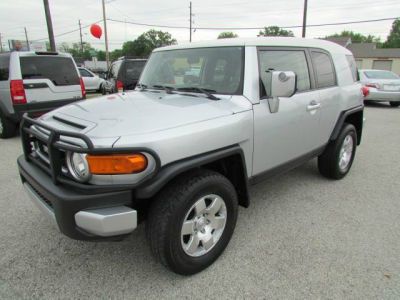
(354, 116)
(229, 161)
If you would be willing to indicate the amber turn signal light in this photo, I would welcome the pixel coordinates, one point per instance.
(116, 164)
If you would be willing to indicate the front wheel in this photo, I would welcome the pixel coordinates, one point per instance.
(191, 222)
(336, 160)
(395, 104)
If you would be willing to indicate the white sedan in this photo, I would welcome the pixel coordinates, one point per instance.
(93, 83)
(382, 85)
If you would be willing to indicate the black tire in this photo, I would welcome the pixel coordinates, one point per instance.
(169, 210)
(395, 104)
(103, 89)
(7, 128)
(328, 161)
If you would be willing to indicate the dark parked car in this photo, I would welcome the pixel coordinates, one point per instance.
(124, 73)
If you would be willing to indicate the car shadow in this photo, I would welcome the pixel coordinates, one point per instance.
(376, 104)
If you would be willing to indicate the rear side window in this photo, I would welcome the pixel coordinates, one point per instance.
(4, 66)
(60, 70)
(324, 69)
(133, 69)
(353, 67)
(85, 73)
(284, 60)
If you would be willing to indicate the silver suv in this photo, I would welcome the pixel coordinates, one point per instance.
(35, 83)
(206, 121)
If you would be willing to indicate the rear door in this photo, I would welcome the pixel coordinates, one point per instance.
(113, 75)
(5, 97)
(50, 78)
(329, 91)
(91, 81)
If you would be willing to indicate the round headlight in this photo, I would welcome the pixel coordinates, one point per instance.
(78, 166)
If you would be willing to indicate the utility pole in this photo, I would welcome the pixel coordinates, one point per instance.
(105, 34)
(80, 32)
(49, 25)
(27, 41)
(304, 19)
(190, 20)
(1, 44)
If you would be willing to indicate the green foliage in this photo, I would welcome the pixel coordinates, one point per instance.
(275, 31)
(101, 55)
(114, 55)
(147, 42)
(357, 37)
(76, 50)
(227, 35)
(393, 39)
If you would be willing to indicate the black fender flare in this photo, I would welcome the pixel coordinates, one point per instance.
(342, 117)
(172, 170)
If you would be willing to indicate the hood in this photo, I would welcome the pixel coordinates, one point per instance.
(140, 112)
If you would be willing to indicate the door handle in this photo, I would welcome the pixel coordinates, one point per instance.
(313, 105)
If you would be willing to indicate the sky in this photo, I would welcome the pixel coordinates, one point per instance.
(17, 14)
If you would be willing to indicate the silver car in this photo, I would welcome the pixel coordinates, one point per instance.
(383, 86)
(182, 150)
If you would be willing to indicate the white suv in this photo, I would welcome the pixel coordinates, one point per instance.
(183, 149)
(35, 83)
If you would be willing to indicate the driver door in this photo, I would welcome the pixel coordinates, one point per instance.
(285, 136)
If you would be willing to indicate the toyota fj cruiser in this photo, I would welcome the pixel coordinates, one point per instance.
(182, 150)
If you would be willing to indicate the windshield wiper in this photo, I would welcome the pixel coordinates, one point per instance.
(142, 86)
(206, 92)
(167, 89)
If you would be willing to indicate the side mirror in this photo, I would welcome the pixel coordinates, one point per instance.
(283, 84)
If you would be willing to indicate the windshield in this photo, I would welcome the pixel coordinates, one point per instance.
(380, 75)
(218, 69)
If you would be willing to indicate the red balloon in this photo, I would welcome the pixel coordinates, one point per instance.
(96, 31)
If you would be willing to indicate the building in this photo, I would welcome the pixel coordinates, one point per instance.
(369, 56)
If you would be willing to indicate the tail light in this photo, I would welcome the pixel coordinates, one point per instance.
(120, 86)
(83, 90)
(365, 91)
(17, 92)
(373, 85)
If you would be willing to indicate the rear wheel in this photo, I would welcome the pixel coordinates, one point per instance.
(395, 104)
(335, 162)
(7, 128)
(191, 222)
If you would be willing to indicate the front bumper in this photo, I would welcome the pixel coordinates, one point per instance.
(377, 95)
(81, 216)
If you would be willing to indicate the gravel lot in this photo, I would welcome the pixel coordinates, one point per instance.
(303, 237)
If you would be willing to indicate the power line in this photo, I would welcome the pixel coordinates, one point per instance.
(68, 32)
(250, 28)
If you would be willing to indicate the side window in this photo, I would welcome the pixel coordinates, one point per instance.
(325, 74)
(4, 67)
(353, 67)
(85, 73)
(284, 60)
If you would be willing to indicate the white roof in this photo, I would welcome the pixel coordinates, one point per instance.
(263, 41)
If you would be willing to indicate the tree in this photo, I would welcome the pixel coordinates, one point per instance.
(393, 39)
(101, 55)
(357, 37)
(147, 42)
(227, 35)
(275, 31)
